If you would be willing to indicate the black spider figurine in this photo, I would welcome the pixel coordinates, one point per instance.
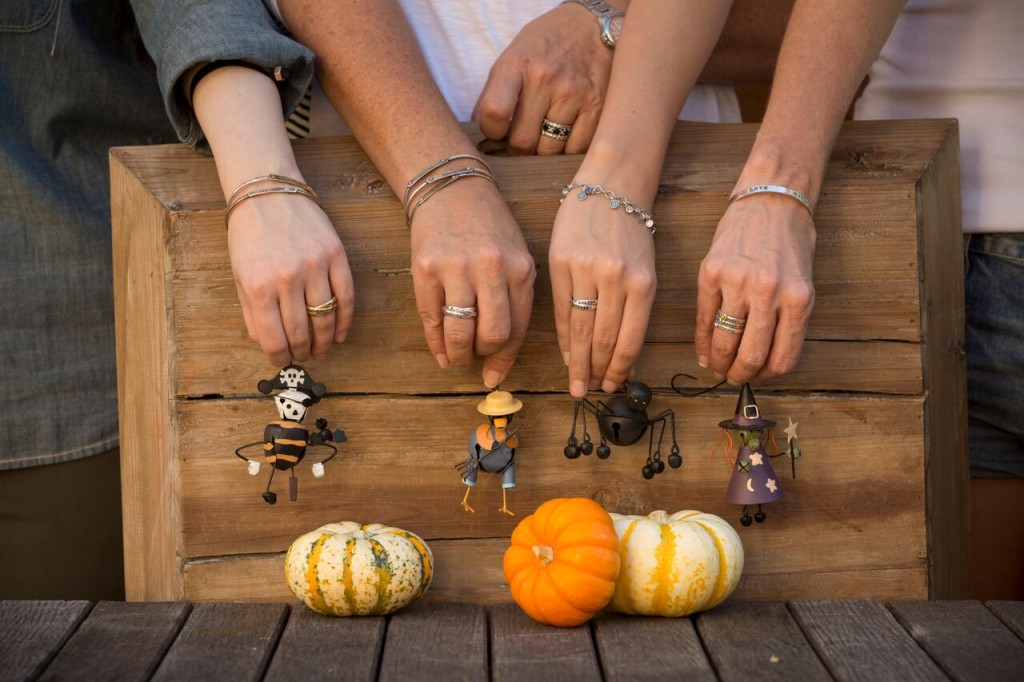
(623, 421)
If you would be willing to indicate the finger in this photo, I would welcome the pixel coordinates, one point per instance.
(429, 301)
(243, 301)
(496, 366)
(633, 331)
(789, 339)
(341, 284)
(322, 325)
(561, 292)
(269, 332)
(709, 300)
(460, 333)
(524, 129)
(755, 342)
(581, 338)
(295, 320)
(607, 323)
(553, 124)
(724, 344)
(496, 105)
(493, 323)
(582, 131)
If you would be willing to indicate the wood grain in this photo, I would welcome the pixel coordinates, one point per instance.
(315, 647)
(992, 652)
(32, 632)
(119, 641)
(525, 650)
(637, 649)
(443, 642)
(758, 641)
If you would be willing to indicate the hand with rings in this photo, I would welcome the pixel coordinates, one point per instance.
(473, 277)
(754, 289)
(545, 92)
(603, 281)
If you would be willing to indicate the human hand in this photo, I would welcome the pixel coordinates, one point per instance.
(285, 255)
(555, 68)
(604, 254)
(759, 268)
(468, 251)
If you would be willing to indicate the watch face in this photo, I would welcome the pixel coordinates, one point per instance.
(612, 30)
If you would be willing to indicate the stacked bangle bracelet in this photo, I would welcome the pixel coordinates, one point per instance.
(424, 185)
(285, 186)
(774, 189)
(614, 201)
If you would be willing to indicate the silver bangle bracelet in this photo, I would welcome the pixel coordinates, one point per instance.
(774, 189)
(614, 201)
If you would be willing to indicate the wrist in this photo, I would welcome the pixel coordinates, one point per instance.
(776, 167)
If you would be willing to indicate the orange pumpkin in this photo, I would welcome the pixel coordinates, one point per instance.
(564, 559)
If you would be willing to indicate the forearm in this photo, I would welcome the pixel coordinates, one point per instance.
(240, 111)
(663, 47)
(373, 73)
(748, 48)
(828, 48)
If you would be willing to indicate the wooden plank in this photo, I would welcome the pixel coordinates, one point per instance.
(635, 649)
(440, 642)
(991, 652)
(942, 318)
(32, 632)
(866, 289)
(758, 641)
(224, 641)
(147, 422)
(119, 641)
(316, 647)
(1011, 613)
(860, 640)
(523, 649)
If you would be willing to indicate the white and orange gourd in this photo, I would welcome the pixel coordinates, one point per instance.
(350, 569)
(675, 565)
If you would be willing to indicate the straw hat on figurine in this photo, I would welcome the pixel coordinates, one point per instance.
(499, 404)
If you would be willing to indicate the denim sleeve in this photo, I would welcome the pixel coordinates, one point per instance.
(181, 34)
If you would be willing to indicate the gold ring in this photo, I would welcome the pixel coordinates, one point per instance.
(324, 308)
(460, 312)
(728, 323)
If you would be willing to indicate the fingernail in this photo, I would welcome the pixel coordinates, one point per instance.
(578, 388)
(702, 360)
(492, 379)
(609, 387)
(442, 360)
(565, 358)
(717, 376)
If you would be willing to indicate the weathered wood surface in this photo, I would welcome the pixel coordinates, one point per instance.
(804, 640)
(878, 394)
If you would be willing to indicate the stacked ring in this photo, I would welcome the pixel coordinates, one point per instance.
(460, 312)
(323, 309)
(557, 131)
(584, 303)
(730, 324)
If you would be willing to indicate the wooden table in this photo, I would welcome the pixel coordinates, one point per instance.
(740, 640)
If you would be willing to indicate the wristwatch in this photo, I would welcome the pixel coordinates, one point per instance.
(608, 18)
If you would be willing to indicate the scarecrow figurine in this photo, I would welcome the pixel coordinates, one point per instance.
(753, 480)
(492, 446)
(285, 441)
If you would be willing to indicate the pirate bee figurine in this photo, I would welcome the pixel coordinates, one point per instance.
(753, 480)
(623, 421)
(285, 441)
(492, 446)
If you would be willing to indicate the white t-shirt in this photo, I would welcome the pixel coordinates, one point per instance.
(461, 41)
(962, 59)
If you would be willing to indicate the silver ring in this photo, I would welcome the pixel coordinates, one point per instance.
(557, 131)
(460, 312)
(584, 303)
(728, 323)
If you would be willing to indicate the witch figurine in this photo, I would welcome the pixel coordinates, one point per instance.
(753, 480)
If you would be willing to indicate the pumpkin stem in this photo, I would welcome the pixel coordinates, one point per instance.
(544, 553)
(660, 516)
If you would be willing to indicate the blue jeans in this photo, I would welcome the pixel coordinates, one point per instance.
(994, 296)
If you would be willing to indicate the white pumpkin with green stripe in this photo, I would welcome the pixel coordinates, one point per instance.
(675, 565)
(349, 569)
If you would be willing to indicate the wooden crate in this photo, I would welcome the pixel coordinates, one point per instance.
(880, 505)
